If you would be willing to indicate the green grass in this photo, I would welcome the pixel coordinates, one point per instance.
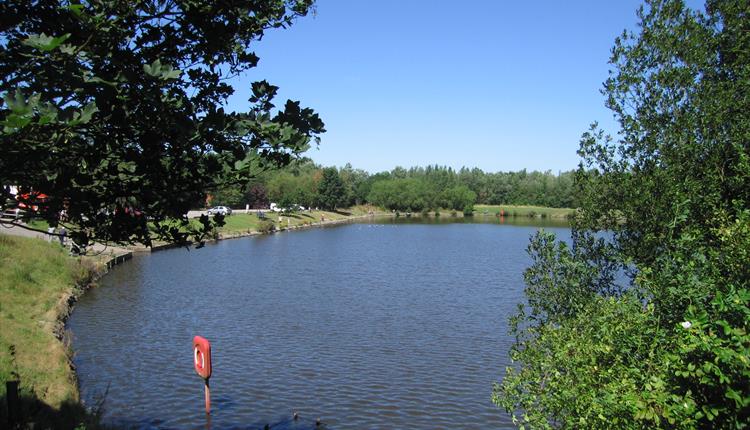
(38, 278)
(37, 275)
(524, 211)
(38, 224)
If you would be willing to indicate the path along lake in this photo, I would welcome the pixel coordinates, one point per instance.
(381, 324)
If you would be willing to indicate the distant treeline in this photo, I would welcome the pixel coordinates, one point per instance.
(416, 189)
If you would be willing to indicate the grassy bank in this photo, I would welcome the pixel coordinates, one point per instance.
(241, 223)
(524, 211)
(38, 280)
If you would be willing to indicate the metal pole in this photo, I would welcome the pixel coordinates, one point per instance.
(208, 399)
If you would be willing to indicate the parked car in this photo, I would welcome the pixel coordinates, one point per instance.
(220, 210)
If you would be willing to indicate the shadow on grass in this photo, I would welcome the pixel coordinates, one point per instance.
(293, 215)
(340, 212)
(30, 412)
(300, 215)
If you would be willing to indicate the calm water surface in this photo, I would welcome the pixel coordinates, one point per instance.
(372, 325)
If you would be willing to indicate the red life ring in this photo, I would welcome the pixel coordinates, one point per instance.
(202, 356)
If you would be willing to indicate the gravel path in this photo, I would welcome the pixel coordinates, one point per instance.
(95, 249)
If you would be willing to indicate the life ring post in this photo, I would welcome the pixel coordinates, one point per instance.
(202, 365)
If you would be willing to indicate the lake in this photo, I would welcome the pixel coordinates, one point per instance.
(380, 324)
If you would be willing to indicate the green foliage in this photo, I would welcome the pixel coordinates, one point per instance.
(525, 211)
(331, 191)
(266, 226)
(287, 189)
(415, 189)
(458, 197)
(356, 184)
(646, 325)
(582, 372)
(443, 186)
(227, 196)
(402, 194)
(113, 110)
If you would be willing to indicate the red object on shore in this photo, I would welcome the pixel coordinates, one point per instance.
(31, 200)
(202, 356)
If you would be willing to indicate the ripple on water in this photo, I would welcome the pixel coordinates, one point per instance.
(395, 326)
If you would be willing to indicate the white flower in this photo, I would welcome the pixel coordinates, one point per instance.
(686, 324)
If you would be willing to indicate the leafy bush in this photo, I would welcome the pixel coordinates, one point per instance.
(266, 226)
(668, 345)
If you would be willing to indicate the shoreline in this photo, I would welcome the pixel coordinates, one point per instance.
(42, 285)
(97, 266)
(251, 233)
(303, 226)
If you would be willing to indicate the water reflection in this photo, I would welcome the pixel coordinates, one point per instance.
(525, 221)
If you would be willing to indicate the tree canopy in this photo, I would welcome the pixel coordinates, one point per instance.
(331, 190)
(113, 115)
(642, 322)
(413, 189)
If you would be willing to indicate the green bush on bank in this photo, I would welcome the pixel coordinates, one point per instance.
(525, 211)
(266, 226)
(667, 347)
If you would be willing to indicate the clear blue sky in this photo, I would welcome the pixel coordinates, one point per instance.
(499, 85)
